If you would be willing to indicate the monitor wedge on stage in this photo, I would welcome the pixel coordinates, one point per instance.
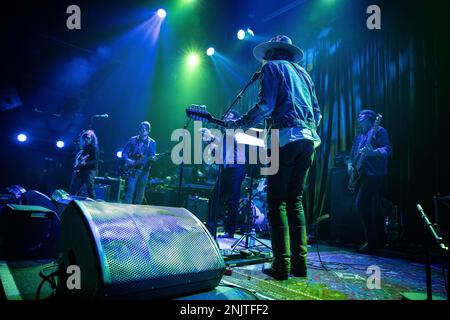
(127, 251)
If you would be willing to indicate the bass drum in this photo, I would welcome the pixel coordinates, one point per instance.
(258, 219)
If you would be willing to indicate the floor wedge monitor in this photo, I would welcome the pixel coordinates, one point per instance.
(134, 251)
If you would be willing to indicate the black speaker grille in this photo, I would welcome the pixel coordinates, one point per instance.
(138, 243)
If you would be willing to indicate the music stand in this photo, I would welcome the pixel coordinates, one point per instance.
(245, 139)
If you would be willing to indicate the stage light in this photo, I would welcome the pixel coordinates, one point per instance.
(119, 154)
(22, 137)
(210, 51)
(193, 59)
(161, 13)
(60, 144)
(241, 34)
(250, 32)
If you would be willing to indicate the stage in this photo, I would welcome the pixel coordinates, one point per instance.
(345, 279)
(135, 132)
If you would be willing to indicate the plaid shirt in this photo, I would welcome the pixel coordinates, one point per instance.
(137, 147)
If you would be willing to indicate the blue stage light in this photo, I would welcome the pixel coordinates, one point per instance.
(22, 137)
(60, 144)
(119, 154)
(161, 13)
(241, 34)
(210, 51)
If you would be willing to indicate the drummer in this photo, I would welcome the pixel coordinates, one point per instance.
(228, 191)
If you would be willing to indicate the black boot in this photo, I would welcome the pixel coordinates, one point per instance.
(298, 251)
(276, 274)
(280, 248)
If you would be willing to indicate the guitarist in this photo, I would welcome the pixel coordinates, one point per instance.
(288, 101)
(375, 155)
(86, 164)
(138, 153)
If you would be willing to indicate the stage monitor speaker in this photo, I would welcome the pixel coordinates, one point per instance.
(117, 187)
(346, 226)
(102, 191)
(36, 198)
(199, 207)
(134, 251)
(29, 232)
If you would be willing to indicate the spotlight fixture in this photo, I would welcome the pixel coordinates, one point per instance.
(60, 144)
(193, 59)
(22, 137)
(119, 154)
(210, 51)
(161, 13)
(241, 34)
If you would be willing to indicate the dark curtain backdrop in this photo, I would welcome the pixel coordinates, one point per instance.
(401, 72)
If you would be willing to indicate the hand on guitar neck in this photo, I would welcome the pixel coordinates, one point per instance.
(200, 113)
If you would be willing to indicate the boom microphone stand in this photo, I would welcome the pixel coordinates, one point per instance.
(182, 169)
(429, 233)
(212, 214)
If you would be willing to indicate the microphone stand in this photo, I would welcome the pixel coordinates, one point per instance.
(182, 169)
(214, 207)
(255, 77)
(429, 233)
(446, 201)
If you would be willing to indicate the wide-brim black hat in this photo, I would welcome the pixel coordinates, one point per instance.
(278, 42)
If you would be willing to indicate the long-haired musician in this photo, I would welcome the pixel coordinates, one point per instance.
(86, 164)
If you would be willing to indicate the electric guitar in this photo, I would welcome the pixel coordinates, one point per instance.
(79, 161)
(140, 162)
(358, 160)
(199, 112)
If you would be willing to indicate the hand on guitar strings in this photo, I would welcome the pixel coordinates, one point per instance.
(369, 152)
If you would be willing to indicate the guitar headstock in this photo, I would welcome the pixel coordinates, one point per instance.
(377, 121)
(198, 112)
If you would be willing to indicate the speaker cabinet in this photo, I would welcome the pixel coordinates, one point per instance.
(346, 226)
(198, 206)
(103, 192)
(116, 189)
(136, 251)
(29, 232)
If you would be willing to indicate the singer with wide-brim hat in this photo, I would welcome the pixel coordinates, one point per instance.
(288, 103)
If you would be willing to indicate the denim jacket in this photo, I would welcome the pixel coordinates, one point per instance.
(286, 97)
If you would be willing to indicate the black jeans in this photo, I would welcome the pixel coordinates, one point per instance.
(229, 195)
(84, 177)
(284, 197)
(367, 192)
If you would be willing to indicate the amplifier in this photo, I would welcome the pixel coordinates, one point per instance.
(199, 207)
(103, 191)
(29, 232)
(117, 188)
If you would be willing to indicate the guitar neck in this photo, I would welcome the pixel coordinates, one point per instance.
(217, 122)
(367, 144)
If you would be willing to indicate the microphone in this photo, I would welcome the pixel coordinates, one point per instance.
(101, 116)
(430, 226)
(256, 76)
